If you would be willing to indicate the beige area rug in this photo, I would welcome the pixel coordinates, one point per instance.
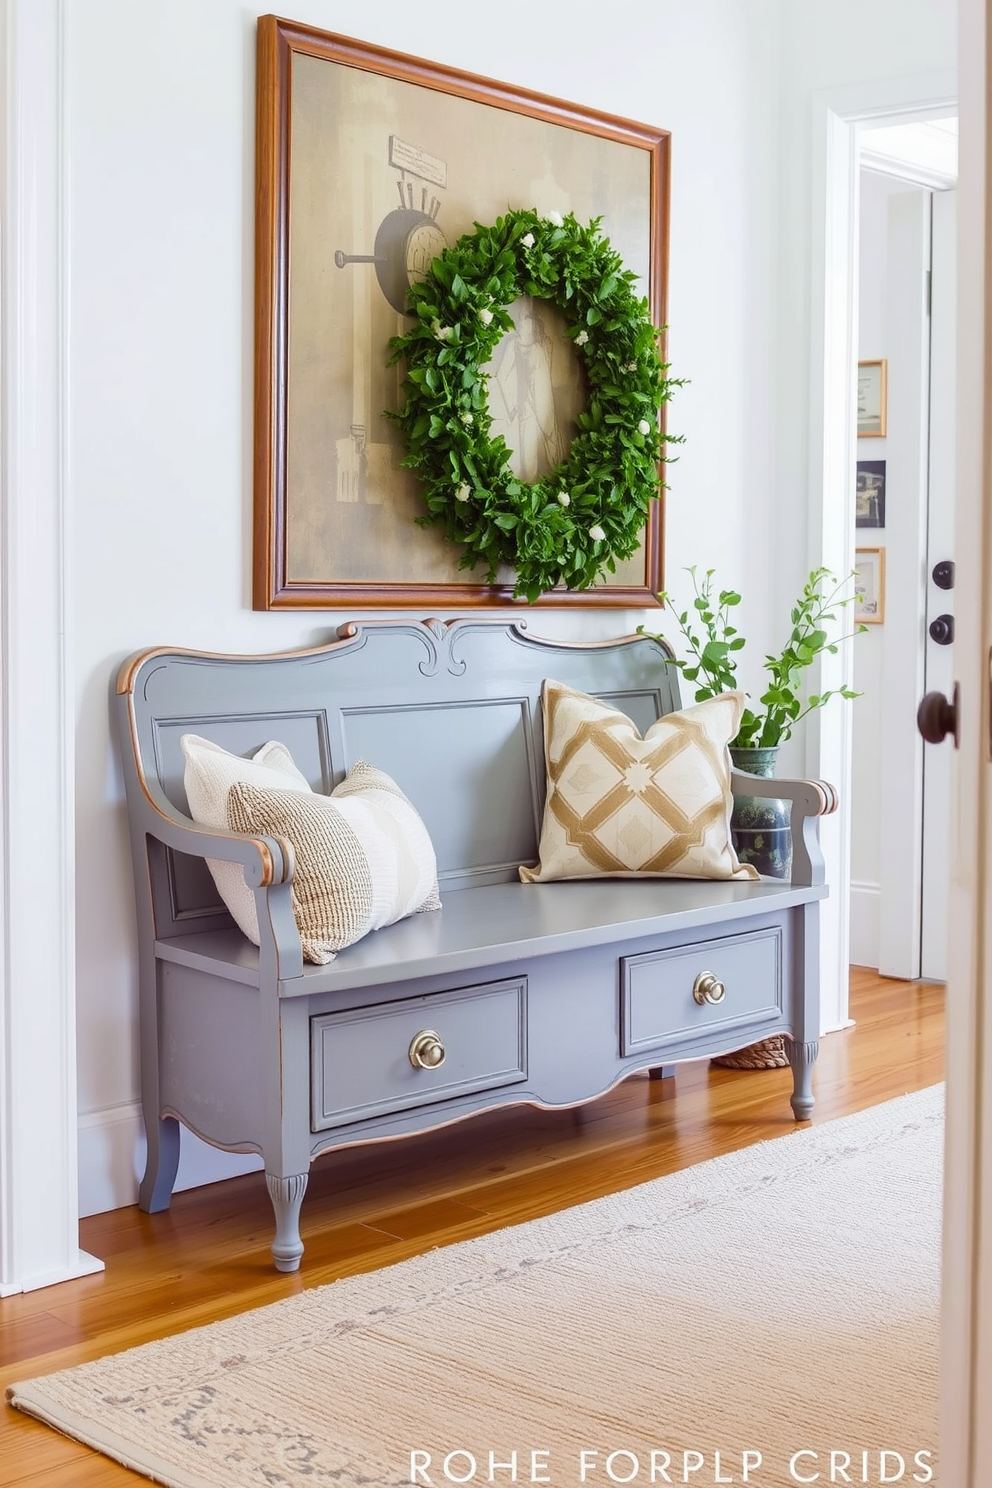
(779, 1301)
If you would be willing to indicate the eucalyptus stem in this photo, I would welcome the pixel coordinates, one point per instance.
(713, 643)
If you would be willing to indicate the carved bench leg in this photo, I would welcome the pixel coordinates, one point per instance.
(802, 1057)
(287, 1196)
(161, 1165)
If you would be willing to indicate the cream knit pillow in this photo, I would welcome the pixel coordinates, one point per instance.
(626, 806)
(210, 773)
(363, 856)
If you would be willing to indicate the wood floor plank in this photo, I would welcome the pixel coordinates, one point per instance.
(25, 1338)
(84, 1469)
(207, 1257)
(436, 1216)
(33, 1449)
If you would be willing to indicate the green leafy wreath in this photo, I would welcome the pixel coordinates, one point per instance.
(576, 522)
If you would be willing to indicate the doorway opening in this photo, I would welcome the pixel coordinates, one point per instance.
(839, 122)
(904, 536)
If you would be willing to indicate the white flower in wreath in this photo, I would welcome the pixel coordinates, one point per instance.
(528, 240)
(631, 367)
(564, 499)
(597, 534)
(463, 493)
(486, 316)
(555, 218)
(644, 427)
(443, 333)
(582, 338)
(466, 418)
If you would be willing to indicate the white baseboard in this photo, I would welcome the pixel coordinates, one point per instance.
(80, 1264)
(112, 1159)
(866, 937)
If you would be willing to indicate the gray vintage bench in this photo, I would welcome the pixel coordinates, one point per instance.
(547, 993)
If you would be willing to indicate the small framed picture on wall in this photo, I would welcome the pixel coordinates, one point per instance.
(871, 399)
(870, 496)
(869, 585)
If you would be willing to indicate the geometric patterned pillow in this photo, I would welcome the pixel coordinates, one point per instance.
(623, 806)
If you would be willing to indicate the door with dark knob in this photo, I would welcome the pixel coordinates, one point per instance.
(937, 716)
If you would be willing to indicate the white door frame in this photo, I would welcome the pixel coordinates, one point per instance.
(900, 786)
(39, 1212)
(834, 177)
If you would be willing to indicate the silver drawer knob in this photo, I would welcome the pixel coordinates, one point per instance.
(427, 1050)
(708, 989)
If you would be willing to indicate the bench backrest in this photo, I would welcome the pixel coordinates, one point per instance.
(451, 710)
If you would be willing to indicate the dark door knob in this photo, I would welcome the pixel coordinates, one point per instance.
(936, 717)
(943, 574)
(942, 630)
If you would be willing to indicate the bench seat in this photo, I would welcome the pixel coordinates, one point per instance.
(502, 922)
(511, 993)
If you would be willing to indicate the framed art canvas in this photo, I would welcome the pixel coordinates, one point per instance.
(872, 395)
(869, 585)
(368, 164)
(870, 495)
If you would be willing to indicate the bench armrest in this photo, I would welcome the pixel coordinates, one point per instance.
(268, 864)
(265, 860)
(810, 799)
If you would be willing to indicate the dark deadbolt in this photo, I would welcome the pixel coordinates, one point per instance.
(942, 630)
(936, 717)
(943, 574)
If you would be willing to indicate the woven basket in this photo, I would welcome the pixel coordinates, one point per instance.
(768, 1054)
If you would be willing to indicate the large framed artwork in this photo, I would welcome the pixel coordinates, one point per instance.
(368, 164)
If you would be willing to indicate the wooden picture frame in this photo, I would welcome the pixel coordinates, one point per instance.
(869, 586)
(343, 130)
(872, 399)
(869, 500)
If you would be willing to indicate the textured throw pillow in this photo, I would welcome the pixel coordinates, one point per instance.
(363, 856)
(210, 773)
(626, 806)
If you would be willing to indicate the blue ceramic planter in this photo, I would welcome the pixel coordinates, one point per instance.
(761, 829)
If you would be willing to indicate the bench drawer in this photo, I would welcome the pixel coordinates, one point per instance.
(658, 1006)
(364, 1061)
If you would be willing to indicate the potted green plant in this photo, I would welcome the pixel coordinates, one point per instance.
(761, 827)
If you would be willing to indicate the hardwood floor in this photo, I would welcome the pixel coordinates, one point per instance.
(208, 1256)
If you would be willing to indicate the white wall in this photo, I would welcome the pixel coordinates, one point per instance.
(841, 62)
(838, 51)
(160, 111)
